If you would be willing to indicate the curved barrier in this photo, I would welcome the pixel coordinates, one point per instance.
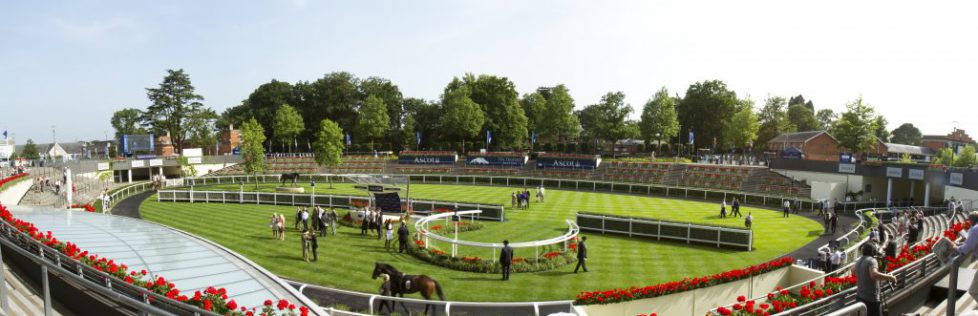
(422, 227)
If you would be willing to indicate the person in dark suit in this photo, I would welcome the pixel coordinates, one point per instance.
(581, 255)
(736, 208)
(380, 223)
(367, 216)
(402, 237)
(315, 245)
(506, 259)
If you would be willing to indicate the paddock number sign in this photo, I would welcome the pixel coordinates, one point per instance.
(916, 174)
(957, 179)
(894, 172)
(847, 168)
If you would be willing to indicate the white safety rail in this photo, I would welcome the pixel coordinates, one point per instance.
(325, 200)
(371, 302)
(422, 227)
(687, 232)
(125, 192)
(550, 183)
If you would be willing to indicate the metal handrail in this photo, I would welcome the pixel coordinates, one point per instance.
(952, 292)
(858, 309)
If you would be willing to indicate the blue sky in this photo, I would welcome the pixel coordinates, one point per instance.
(71, 64)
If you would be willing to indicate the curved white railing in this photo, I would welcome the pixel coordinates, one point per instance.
(422, 227)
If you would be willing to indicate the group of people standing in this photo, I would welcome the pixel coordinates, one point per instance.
(735, 212)
(522, 199)
(374, 219)
(506, 257)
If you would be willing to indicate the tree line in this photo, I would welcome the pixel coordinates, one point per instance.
(375, 115)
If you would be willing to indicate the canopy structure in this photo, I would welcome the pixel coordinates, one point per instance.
(190, 263)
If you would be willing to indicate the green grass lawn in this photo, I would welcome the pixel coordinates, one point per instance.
(346, 261)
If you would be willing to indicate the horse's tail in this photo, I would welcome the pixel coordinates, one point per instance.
(441, 296)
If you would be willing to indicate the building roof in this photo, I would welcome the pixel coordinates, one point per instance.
(800, 137)
(909, 149)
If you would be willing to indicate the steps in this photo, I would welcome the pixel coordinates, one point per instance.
(21, 298)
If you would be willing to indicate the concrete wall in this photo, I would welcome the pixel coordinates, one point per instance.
(698, 302)
(961, 193)
(11, 194)
(826, 185)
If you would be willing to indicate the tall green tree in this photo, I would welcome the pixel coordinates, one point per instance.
(535, 106)
(826, 118)
(800, 100)
(428, 119)
(287, 124)
(606, 120)
(408, 132)
(200, 126)
(499, 101)
(659, 120)
(463, 117)
(262, 104)
(856, 128)
(743, 127)
(879, 128)
(127, 122)
(907, 134)
(802, 117)
(707, 108)
(328, 147)
(335, 96)
(560, 123)
(174, 103)
(966, 158)
(30, 150)
(773, 119)
(253, 148)
(373, 121)
(390, 93)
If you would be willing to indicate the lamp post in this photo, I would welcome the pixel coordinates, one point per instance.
(312, 183)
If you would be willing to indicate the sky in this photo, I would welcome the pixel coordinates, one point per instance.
(70, 65)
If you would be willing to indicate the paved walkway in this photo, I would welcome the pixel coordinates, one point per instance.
(846, 224)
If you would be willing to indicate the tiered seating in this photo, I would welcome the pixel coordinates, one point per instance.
(362, 164)
(422, 169)
(490, 171)
(776, 184)
(230, 170)
(291, 164)
(563, 174)
(646, 172)
(715, 177)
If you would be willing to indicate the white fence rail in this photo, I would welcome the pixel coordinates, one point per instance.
(422, 227)
(490, 211)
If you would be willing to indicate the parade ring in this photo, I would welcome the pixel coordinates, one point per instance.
(422, 224)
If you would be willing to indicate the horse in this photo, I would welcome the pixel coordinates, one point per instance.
(407, 284)
(290, 176)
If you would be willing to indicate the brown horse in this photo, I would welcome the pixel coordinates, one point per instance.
(290, 176)
(407, 284)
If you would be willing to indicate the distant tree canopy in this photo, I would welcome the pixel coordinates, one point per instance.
(907, 134)
(374, 111)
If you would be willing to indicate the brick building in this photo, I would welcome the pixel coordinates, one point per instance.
(814, 145)
(956, 140)
(229, 140)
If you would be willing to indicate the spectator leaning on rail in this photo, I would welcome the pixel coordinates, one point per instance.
(867, 277)
(970, 247)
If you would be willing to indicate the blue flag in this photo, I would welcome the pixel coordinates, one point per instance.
(488, 138)
(417, 136)
(348, 139)
(691, 136)
(533, 137)
(4, 134)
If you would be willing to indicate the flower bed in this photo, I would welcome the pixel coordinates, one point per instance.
(462, 227)
(88, 207)
(12, 178)
(783, 300)
(635, 293)
(549, 261)
(212, 299)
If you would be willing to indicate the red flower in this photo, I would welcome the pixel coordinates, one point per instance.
(232, 305)
(207, 304)
(282, 304)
